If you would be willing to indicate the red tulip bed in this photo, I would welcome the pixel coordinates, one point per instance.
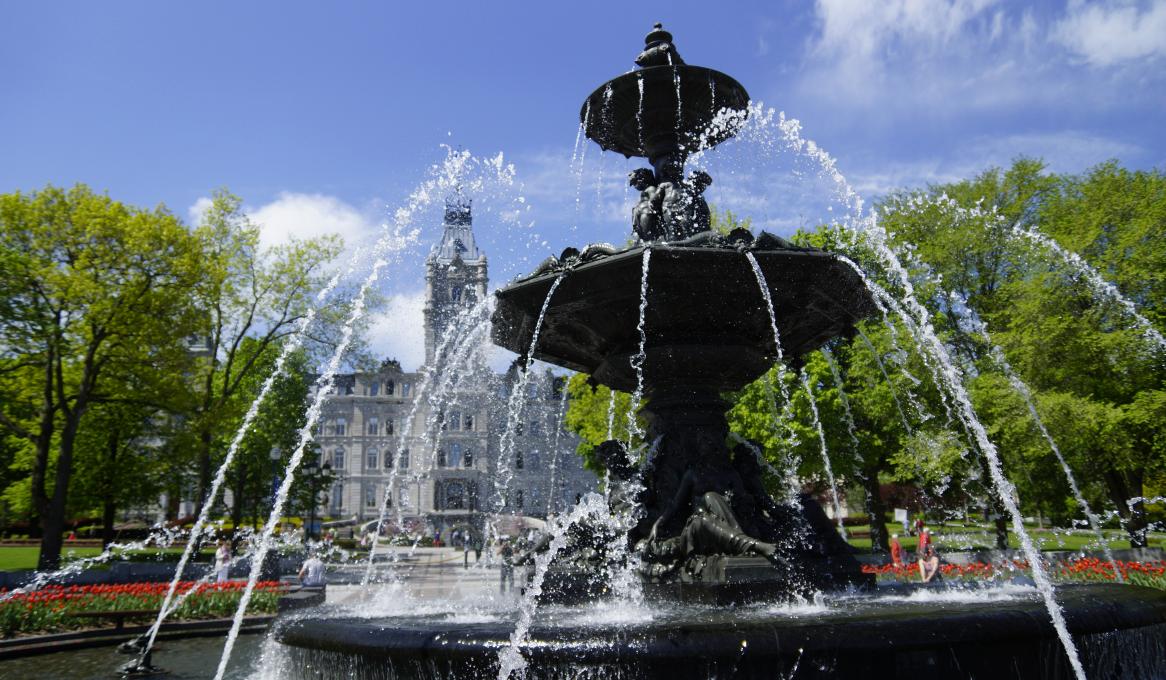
(1085, 569)
(54, 608)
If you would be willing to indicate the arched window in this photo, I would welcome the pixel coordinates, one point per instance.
(468, 458)
(338, 458)
(455, 455)
(455, 496)
(370, 459)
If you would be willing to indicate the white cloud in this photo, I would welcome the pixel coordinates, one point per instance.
(399, 331)
(302, 216)
(196, 211)
(1108, 33)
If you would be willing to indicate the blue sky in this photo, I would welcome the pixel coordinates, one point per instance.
(323, 116)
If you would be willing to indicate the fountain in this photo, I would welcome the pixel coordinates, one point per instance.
(735, 582)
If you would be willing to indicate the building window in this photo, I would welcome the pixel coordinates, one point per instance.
(455, 455)
(455, 420)
(518, 499)
(468, 423)
(518, 460)
(455, 496)
(532, 390)
(374, 389)
(441, 458)
(468, 458)
(390, 427)
(337, 498)
(406, 389)
(535, 428)
(341, 427)
(519, 429)
(338, 458)
(370, 496)
(390, 387)
(405, 459)
(373, 427)
(455, 293)
(370, 459)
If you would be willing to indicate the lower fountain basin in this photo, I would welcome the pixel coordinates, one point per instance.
(996, 633)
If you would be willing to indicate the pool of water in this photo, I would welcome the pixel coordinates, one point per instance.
(190, 659)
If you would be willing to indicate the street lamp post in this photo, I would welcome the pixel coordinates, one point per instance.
(315, 473)
(276, 455)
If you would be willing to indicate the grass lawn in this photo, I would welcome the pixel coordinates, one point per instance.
(24, 557)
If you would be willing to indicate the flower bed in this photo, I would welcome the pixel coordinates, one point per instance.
(54, 608)
(1086, 569)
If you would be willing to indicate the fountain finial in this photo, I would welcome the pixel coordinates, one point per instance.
(658, 49)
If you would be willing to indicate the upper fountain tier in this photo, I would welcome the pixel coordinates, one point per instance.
(664, 110)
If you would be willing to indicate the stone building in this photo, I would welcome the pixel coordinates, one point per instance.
(451, 458)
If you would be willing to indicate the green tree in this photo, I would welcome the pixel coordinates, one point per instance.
(95, 291)
(251, 299)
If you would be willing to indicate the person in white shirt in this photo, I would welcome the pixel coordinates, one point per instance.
(312, 573)
(222, 561)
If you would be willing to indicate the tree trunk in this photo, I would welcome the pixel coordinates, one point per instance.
(1125, 489)
(109, 490)
(54, 518)
(204, 471)
(876, 512)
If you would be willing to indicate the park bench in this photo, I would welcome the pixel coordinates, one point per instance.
(118, 616)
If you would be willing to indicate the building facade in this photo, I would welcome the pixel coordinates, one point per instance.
(445, 460)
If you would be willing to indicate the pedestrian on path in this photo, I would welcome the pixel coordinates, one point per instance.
(507, 573)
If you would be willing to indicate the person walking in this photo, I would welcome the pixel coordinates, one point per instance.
(896, 551)
(507, 573)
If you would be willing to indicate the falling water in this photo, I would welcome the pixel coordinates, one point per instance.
(791, 438)
(825, 453)
(713, 94)
(196, 532)
(972, 320)
(324, 386)
(160, 536)
(1102, 289)
(427, 374)
(866, 227)
(579, 169)
(890, 385)
(679, 102)
(640, 112)
(847, 415)
(952, 381)
(551, 495)
(505, 473)
(611, 415)
(510, 660)
(641, 353)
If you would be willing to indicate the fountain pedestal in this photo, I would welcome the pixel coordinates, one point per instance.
(707, 330)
